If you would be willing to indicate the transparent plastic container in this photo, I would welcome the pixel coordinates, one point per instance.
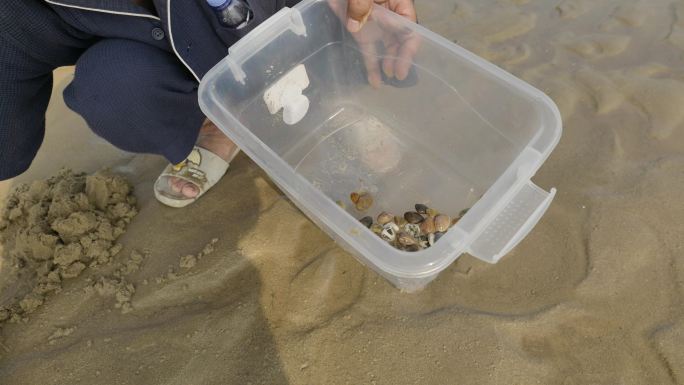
(458, 133)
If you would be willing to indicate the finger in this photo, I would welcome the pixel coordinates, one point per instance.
(388, 62)
(372, 63)
(405, 8)
(357, 14)
(407, 52)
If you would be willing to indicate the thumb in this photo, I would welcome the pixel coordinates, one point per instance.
(357, 13)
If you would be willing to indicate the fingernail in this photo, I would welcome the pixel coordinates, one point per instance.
(374, 80)
(353, 25)
(388, 69)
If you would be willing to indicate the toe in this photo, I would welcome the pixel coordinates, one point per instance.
(176, 184)
(189, 190)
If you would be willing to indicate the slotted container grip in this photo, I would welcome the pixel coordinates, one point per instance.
(512, 224)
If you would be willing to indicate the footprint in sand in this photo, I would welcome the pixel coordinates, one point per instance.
(604, 94)
(444, 18)
(659, 99)
(555, 82)
(668, 343)
(596, 46)
(676, 35)
(580, 348)
(461, 10)
(507, 54)
(325, 287)
(571, 9)
(628, 15)
(504, 25)
(628, 261)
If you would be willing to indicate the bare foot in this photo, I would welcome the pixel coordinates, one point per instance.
(212, 139)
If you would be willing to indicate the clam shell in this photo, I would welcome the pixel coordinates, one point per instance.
(421, 208)
(364, 202)
(384, 218)
(405, 239)
(412, 248)
(413, 217)
(428, 225)
(442, 222)
(367, 221)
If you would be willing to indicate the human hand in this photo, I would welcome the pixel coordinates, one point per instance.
(400, 43)
(358, 11)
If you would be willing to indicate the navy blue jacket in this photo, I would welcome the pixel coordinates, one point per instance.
(199, 46)
(137, 71)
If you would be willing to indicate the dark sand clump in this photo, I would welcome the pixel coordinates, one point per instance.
(54, 229)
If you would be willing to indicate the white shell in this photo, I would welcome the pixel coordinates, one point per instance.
(391, 225)
(388, 234)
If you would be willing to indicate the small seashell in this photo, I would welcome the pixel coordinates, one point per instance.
(413, 217)
(412, 248)
(405, 239)
(431, 239)
(385, 218)
(367, 221)
(376, 228)
(400, 221)
(428, 225)
(364, 202)
(354, 197)
(421, 208)
(388, 234)
(431, 212)
(442, 222)
(423, 244)
(412, 229)
(463, 212)
(392, 226)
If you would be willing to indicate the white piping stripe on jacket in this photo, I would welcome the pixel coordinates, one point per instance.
(173, 46)
(168, 10)
(103, 10)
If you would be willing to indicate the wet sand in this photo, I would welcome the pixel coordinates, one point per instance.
(592, 296)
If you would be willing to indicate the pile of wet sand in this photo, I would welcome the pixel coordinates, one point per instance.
(53, 229)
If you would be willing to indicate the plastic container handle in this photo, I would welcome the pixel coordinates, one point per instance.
(265, 31)
(512, 224)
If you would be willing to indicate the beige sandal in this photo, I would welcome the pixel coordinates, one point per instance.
(202, 168)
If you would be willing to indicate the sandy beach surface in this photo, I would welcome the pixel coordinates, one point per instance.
(241, 288)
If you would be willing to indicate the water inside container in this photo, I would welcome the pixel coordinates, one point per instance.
(353, 140)
(356, 151)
